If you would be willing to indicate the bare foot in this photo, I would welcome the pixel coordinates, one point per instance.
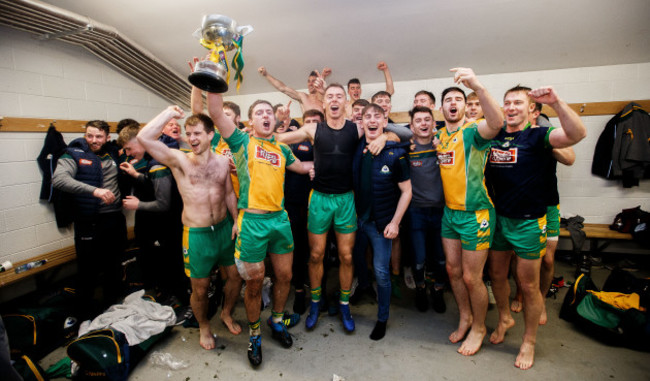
(206, 340)
(516, 304)
(473, 342)
(526, 356)
(459, 334)
(231, 324)
(500, 332)
(543, 318)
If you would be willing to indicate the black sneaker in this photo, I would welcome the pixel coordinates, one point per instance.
(421, 301)
(255, 350)
(183, 314)
(438, 300)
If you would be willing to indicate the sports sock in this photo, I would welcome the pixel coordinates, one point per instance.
(254, 328)
(344, 297)
(315, 294)
(276, 317)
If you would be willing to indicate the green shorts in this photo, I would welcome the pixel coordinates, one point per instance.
(262, 233)
(474, 229)
(203, 248)
(553, 221)
(327, 209)
(526, 237)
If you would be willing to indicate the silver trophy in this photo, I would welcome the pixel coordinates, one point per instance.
(219, 34)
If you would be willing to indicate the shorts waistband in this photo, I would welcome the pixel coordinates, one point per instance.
(332, 195)
(263, 216)
(206, 228)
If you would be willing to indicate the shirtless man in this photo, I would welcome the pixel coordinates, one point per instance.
(263, 223)
(311, 100)
(354, 87)
(468, 217)
(209, 209)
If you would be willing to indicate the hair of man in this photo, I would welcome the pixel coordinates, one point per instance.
(126, 122)
(417, 109)
(381, 93)
(360, 102)
(453, 88)
(127, 134)
(193, 120)
(354, 81)
(232, 106)
(427, 93)
(372, 107)
(335, 85)
(522, 89)
(313, 112)
(100, 125)
(257, 102)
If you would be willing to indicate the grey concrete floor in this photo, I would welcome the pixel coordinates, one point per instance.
(415, 348)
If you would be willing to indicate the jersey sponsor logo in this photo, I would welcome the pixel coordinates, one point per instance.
(500, 156)
(447, 158)
(269, 157)
(85, 162)
(416, 163)
(385, 169)
(227, 153)
(303, 147)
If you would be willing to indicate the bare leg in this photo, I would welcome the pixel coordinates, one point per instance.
(231, 293)
(317, 244)
(453, 253)
(499, 264)
(345, 243)
(253, 294)
(546, 275)
(199, 303)
(473, 264)
(282, 269)
(528, 271)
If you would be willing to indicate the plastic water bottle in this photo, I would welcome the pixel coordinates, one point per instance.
(7, 265)
(30, 265)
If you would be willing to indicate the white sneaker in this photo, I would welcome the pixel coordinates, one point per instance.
(408, 278)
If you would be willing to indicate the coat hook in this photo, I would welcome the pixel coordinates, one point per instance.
(582, 108)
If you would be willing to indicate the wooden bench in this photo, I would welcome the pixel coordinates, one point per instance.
(54, 259)
(599, 236)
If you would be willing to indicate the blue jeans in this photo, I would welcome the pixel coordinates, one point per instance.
(425, 233)
(367, 234)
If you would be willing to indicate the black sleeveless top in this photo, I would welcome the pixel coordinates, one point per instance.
(333, 153)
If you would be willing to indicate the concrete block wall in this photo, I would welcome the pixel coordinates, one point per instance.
(51, 79)
(56, 80)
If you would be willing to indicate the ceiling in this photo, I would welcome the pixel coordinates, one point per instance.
(417, 38)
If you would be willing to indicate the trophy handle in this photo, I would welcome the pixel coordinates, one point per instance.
(244, 30)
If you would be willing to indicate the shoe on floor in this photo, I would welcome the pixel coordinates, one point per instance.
(312, 317)
(438, 300)
(255, 350)
(421, 301)
(409, 281)
(290, 320)
(279, 333)
(346, 317)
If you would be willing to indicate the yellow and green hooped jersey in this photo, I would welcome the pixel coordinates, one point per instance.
(462, 155)
(261, 165)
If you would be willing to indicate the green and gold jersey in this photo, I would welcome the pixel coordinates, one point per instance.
(462, 155)
(220, 147)
(261, 165)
